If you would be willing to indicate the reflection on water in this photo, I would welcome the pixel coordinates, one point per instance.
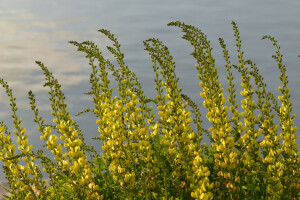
(39, 30)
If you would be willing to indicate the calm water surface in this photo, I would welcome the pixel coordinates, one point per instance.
(40, 30)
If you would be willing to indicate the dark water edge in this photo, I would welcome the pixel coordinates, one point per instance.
(3, 185)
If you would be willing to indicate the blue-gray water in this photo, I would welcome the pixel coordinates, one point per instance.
(40, 30)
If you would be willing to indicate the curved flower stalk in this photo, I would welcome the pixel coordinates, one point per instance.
(70, 154)
(18, 175)
(182, 144)
(222, 141)
(291, 160)
(248, 142)
(122, 120)
(271, 144)
(24, 178)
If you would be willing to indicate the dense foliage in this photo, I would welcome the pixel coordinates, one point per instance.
(161, 155)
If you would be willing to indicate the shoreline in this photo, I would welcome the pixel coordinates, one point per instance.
(3, 185)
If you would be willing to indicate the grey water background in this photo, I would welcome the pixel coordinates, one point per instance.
(40, 30)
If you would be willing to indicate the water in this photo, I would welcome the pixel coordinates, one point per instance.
(39, 30)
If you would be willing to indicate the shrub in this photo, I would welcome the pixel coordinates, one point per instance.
(160, 155)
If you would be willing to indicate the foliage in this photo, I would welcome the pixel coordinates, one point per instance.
(160, 155)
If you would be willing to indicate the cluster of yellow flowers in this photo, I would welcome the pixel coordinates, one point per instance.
(160, 155)
(181, 142)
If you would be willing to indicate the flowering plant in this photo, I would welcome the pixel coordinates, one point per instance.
(160, 155)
